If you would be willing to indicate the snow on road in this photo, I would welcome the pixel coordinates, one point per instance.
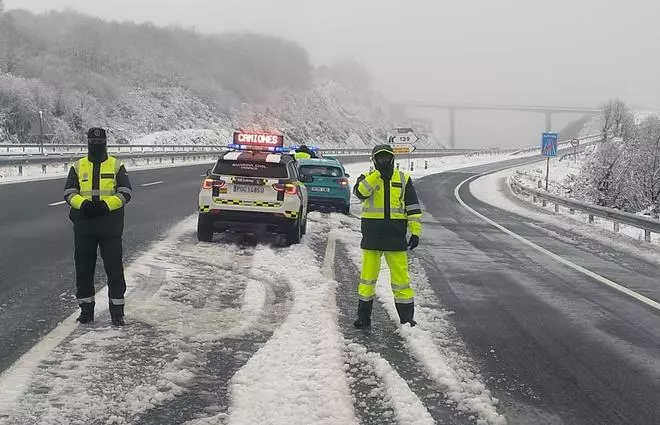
(297, 376)
(228, 333)
(434, 342)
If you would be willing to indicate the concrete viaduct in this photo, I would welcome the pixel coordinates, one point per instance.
(548, 111)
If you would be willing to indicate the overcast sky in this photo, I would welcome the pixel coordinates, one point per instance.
(566, 52)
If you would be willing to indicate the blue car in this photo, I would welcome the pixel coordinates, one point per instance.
(327, 184)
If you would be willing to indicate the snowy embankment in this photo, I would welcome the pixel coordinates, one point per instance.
(493, 189)
(562, 172)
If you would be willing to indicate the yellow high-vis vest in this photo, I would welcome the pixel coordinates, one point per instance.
(107, 190)
(374, 206)
(301, 155)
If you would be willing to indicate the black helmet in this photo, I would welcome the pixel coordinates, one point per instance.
(383, 158)
(96, 135)
(382, 148)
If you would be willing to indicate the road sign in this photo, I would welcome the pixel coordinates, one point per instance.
(575, 143)
(549, 144)
(402, 136)
(403, 148)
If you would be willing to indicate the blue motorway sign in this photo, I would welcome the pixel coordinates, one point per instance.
(549, 144)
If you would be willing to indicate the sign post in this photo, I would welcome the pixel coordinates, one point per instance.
(575, 143)
(402, 139)
(549, 150)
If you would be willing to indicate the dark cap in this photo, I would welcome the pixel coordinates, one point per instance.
(96, 133)
(382, 149)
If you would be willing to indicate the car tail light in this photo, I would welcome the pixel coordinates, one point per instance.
(211, 183)
(343, 181)
(289, 189)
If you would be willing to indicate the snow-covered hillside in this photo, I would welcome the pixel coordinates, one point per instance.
(141, 79)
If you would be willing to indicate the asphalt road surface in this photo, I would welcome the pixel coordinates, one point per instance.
(555, 345)
(37, 283)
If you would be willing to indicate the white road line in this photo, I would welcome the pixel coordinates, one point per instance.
(54, 204)
(601, 279)
(328, 268)
(15, 380)
(151, 184)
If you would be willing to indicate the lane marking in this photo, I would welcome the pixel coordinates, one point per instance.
(15, 380)
(328, 268)
(54, 204)
(151, 184)
(601, 279)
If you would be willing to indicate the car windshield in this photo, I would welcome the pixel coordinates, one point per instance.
(251, 169)
(321, 170)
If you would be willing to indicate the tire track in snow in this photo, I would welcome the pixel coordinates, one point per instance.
(208, 393)
(189, 330)
(370, 399)
(434, 346)
(384, 339)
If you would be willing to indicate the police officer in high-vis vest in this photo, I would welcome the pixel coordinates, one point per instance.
(390, 209)
(303, 152)
(97, 188)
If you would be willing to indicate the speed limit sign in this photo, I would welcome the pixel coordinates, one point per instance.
(575, 143)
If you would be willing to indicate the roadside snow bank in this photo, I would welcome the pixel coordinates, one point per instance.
(297, 376)
(434, 342)
(494, 190)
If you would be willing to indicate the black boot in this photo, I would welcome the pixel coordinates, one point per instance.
(406, 313)
(364, 314)
(117, 315)
(86, 312)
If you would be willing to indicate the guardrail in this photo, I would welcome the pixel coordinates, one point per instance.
(649, 225)
(565, 144)
(29, 153)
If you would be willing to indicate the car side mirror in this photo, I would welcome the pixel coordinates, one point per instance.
(208, 172)
(347, 175)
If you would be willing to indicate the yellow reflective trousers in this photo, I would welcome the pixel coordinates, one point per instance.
(397, 262)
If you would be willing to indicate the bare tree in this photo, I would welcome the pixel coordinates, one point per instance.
(647, 171)
(617, 120)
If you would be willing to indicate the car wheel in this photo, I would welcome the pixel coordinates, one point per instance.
(294, 235)
(204, 230)
(346, 209)
(303, 231)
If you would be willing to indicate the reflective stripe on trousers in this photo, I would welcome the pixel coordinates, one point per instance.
(399, 278)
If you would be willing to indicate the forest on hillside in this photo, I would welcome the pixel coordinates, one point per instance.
(139, 78)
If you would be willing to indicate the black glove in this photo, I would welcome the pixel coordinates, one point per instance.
(101, 208)
(88, 209)
(413, 242)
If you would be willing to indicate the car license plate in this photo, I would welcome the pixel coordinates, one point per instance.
(248, 189)
(320, 189)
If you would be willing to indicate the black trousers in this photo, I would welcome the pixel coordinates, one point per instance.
(86, 245)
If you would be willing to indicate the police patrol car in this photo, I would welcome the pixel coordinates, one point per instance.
(254, 187)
